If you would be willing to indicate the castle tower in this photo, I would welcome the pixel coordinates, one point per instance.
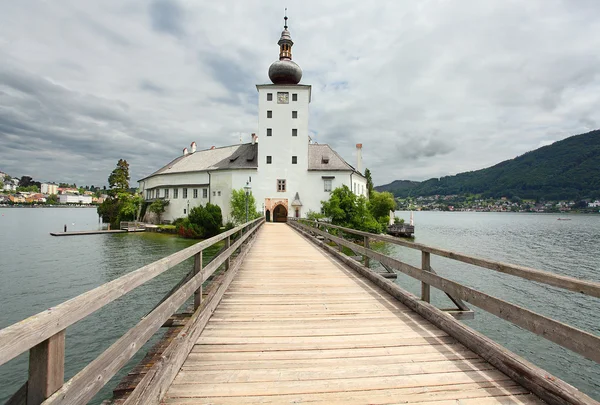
(283, 125)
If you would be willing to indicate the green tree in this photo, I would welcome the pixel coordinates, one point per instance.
(380, 205)
(344, 208)
(29, 189)
(119, 178)
(369, 182)
(238, 206)
(52, 199)
(121, 205)
(158, 207)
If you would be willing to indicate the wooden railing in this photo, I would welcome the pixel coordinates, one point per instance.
(579, 341)
(551, 389)
(43, 335)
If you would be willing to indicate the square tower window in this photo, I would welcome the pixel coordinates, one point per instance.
(294, 97)
(269, 96)
(281, 185)
(268, 160)
(294, 132)
(294, 114)
(283, 97)
(294, 160)
(269, 132)
(269, 114)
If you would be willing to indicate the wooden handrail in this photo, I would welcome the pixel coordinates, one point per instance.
(567, 336)
(43, 334)
(556, 280)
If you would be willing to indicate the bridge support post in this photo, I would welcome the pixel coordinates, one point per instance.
(366, 247)
(198, 269)
(227, 245)
(426, 266)
(46, 368)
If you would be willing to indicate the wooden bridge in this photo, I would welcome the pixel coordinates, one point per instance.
(287, 318)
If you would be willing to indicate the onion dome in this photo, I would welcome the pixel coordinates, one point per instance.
(285, 71)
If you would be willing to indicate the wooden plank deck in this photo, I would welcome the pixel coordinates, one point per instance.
(296, 326)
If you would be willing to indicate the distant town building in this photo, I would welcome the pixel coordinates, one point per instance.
(74, 199)
(49, 188)
(67, 190)
(11, 185)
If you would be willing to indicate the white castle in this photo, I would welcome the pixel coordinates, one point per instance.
(287, 173)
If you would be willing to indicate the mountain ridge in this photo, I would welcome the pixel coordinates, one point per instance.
(566, 169)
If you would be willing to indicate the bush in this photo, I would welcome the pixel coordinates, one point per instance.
(314, 216)
(202, 222)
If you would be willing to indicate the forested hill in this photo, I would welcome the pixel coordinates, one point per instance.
(567, 169)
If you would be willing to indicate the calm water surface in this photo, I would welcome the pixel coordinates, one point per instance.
(38, 271)
(570, 248)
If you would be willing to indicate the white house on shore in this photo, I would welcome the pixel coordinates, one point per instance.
(288, 174)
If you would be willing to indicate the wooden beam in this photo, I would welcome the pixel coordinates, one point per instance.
(24, 335)
(366, 258)
(426, 266)
(548, 387)
(198, 270)
(152, 388)
(574, 339)
(85, 384)
(569, 283)
(46, 368)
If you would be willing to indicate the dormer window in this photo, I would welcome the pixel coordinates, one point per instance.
(325, 160)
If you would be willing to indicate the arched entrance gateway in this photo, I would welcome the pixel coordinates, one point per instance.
(280, 214)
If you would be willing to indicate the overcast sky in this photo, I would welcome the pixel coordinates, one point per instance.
(430, 88)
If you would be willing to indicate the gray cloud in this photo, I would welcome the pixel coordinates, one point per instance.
(151, 87)
(167, 17)
(429, 88)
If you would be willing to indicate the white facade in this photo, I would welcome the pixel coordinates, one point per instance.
(74, 199)
(49, 188)
(288, 175)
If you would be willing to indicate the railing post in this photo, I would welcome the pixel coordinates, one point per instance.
(198, 269)
(227, 245)
(426, 266)
(367, 264)
(46, 368)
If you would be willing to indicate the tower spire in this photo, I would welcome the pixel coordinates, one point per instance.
(285, 71)
(285, 42)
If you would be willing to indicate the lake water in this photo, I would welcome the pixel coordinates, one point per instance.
(38, 271)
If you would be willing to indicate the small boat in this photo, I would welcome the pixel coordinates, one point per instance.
(563, 219)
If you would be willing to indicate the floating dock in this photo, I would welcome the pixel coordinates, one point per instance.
(97, 232)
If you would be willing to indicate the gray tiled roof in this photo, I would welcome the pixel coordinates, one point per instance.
(244, 156)
(322, 157)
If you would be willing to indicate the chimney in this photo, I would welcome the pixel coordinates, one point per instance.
(254, 138)
(193, 147)
(359, 157)
(185, 151)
